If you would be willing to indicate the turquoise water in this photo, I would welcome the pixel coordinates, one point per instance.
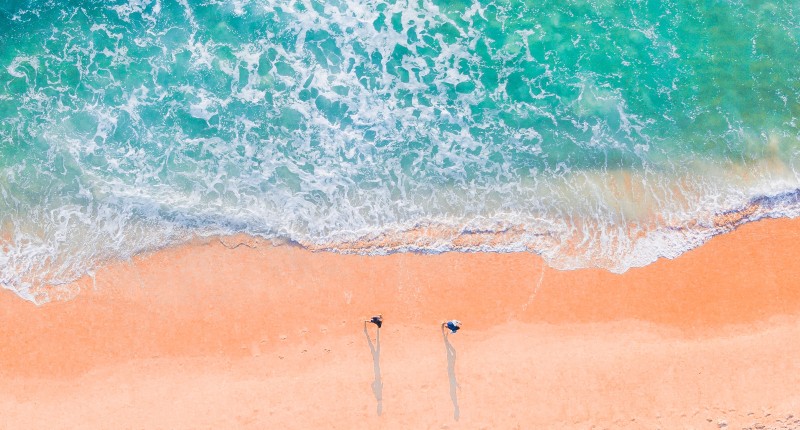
(596, 133)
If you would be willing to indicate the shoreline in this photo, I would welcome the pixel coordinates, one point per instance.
(654, 243)
(273, 320)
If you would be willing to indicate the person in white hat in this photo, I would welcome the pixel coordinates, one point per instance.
(452, 325)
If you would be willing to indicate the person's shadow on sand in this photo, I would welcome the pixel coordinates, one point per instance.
(377, 384)
(451, 373)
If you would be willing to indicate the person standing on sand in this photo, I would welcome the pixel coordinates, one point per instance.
(377, 384)
(452, 325)
(377, 320)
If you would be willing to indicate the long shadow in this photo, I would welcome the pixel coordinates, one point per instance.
(451, 373)
(377, 384)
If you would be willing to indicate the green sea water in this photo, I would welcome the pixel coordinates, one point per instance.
(603, 133)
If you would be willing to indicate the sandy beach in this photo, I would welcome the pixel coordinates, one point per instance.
(236, 333)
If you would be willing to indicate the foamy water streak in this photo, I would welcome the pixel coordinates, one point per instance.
(595, 133)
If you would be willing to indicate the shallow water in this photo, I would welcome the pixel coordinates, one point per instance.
(595, 133)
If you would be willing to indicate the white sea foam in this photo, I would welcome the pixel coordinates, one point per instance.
(52, 246)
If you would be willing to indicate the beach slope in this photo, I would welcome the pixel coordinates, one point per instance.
(237, 333)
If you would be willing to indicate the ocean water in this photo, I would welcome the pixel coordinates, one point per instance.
(596, 133)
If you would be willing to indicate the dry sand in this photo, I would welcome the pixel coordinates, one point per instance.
(204, 336)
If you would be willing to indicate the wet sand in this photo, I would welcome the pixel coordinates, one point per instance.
(215, 335)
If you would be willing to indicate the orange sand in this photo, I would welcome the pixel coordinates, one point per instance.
(203, 336)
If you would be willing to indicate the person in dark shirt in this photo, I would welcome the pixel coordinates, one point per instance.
(377, 320)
